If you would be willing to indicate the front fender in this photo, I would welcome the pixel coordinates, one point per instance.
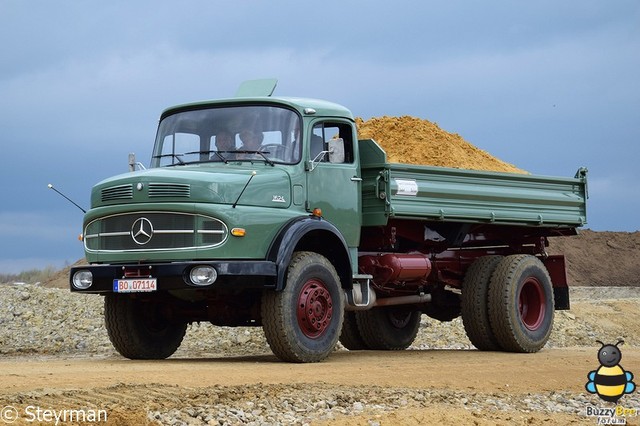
(310, 233)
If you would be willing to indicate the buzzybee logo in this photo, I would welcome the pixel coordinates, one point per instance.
(610, 381)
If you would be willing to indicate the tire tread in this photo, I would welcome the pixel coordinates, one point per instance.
(475, 303)
(503, 308)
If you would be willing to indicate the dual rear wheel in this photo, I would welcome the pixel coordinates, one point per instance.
(507, 303)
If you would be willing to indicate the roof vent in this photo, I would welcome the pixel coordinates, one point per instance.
(257, 88)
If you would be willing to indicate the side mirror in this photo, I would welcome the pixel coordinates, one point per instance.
(133, 163)
(336, 150)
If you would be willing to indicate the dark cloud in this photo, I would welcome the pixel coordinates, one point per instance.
(549, 86)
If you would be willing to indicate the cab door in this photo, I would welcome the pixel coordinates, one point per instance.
(334, 187)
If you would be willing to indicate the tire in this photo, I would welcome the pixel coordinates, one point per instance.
(388, 328)
(139, 330)
(350, 336)
(302, 323)
(521, 307)
(475, 303)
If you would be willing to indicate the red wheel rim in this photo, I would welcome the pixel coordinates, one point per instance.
(315, 308)
(531, 304)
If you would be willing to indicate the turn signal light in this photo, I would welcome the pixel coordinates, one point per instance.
(238, 232)
(317, 212)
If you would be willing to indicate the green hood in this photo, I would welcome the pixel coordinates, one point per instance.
(270, 187)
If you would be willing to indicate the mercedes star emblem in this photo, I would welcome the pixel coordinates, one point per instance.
(142, 231)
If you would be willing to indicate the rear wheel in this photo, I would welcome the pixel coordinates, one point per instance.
(522, 305)
(388, 328)
(141, 329)
(302, 322)
(350, 336)
(475, 303)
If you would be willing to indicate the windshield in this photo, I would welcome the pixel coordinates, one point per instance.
(228, 134)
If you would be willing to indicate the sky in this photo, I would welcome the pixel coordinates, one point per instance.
(548, 86)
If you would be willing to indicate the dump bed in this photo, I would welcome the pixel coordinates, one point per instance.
(392, 190)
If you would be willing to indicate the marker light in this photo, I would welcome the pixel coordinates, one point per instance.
(317, 212)
(238, 232)
(203, 275)
(82, 280)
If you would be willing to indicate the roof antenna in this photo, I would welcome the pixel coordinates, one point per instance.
(50, 186)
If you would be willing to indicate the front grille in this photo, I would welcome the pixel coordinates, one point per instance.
(120, 192)
(169, 190)
(152, 231)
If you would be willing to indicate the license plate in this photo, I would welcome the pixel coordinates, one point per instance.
(136, 285)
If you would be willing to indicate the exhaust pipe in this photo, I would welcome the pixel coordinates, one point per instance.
(362, 297)
(403, 300)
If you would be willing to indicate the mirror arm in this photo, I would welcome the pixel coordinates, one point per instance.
(313, 163)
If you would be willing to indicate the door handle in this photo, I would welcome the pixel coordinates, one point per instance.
(356, 179)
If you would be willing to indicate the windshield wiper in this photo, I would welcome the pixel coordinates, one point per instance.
(209, 152)
(176, 156)
(261, 153)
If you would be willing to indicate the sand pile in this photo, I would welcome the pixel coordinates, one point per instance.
(416, 141)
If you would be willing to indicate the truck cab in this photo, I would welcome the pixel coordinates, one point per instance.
(210, 223)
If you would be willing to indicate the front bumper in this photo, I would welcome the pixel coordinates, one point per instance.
(175, 275)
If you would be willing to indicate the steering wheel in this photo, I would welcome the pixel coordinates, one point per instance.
(273, 150)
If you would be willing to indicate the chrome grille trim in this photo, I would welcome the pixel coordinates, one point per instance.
(169, 231)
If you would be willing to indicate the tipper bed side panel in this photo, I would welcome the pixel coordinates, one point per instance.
(392, 190)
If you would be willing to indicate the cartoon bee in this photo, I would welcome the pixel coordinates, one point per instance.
(610, 381)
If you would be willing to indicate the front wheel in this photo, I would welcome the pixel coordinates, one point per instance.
(521, 305)
(302, 323)
(141, 329)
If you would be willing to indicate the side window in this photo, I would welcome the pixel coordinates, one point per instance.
(324, 132)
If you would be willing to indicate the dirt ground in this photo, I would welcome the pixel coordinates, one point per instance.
(413, 387)
(127, 389)
(600, 258)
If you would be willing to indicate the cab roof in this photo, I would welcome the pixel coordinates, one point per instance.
(304, 106)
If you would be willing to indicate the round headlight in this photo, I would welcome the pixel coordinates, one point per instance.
(203, 275)
(82, 280)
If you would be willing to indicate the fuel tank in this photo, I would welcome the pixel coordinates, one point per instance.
(396, 269)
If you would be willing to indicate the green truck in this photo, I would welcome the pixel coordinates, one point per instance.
(268, 211)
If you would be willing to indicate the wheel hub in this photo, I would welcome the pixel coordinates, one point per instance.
(531, 304)
(315, 308)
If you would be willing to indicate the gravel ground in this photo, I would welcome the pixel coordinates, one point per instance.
(48, 321)
(257, 405)
(43, 321)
